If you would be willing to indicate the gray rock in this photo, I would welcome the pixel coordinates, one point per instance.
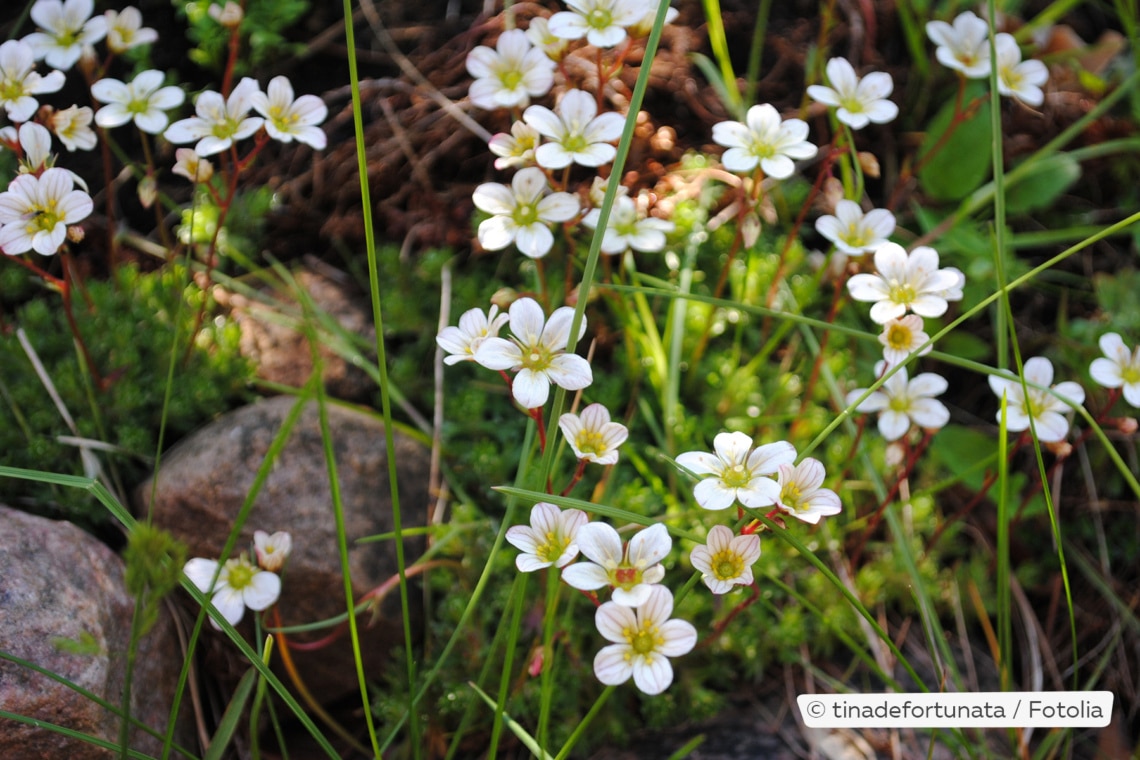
(204, 480)
(57, 583)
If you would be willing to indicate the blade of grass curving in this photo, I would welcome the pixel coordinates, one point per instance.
(580, 729)
(518, 598)
(756, 51)
(1004, 607)
(529, 443)
(342, 543)
(718, 41)
(100, 492)
(231, 717)
(108, 706)
(382, 366)
(590, 269)
(71, 733)
(527, 740)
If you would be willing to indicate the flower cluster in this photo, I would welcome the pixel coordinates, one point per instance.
(239, 582)
(964, 46)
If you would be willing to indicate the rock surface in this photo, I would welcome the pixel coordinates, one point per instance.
(204, 481)
(282, 354)
(57, 583)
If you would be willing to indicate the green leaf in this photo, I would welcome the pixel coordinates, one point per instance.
(962, 163)
(1043, 184)
(231, 717)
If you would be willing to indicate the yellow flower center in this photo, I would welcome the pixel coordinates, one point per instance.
(590, 442)
(790, 496)
(727, 565)
(1130, 374)
(551, 548)
(239, 573)
(901, 292)
(737, 476)
(899, 337)
(644, 641)
(600, 18)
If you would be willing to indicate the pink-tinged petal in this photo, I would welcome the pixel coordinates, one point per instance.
(680, 637)
(585, 576)
(600, 543)
(531, 389)
(701, 556)
(652, 673)
(748, 547)
(719, 539)
(523, 538)
(611, 666)
(263, 589)
(1039, 371)
(893, 424)
(712, 494)
(613, 620)
(657, 608)
(760, 492)
(810, 474)
(649, 546)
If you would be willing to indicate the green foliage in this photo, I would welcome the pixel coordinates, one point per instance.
(131, 328)
(154, 560)
(962, 162)
(262, 29)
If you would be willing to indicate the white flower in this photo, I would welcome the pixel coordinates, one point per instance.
(601, 22)
(644, 25)
(900, 402)
(901, 337)
(1018, 78)
(73, 127)
(35, 141)
(192, 166)
(1044, 408)
(220, 122)
(272, 550)
(1118, 368)
(474, 327)
(576, 134)
(35, 212)
(66, 29)
(239, 585)
(737, 472)
(521, 213)
(287, 119)
(511, 74)
(643, 639)
(144, 100)
(626, 229)
(18, 83)
(549, 539)
(904, 282)
(763, 139)
(632, 571)
(542, 38)
(517, 148)
(537, 352)
(854, 232)
(860, 101)
(125, 30)
(726, 560)
(801, 494)
(228, 15)
(592, 436)
(964, 47)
